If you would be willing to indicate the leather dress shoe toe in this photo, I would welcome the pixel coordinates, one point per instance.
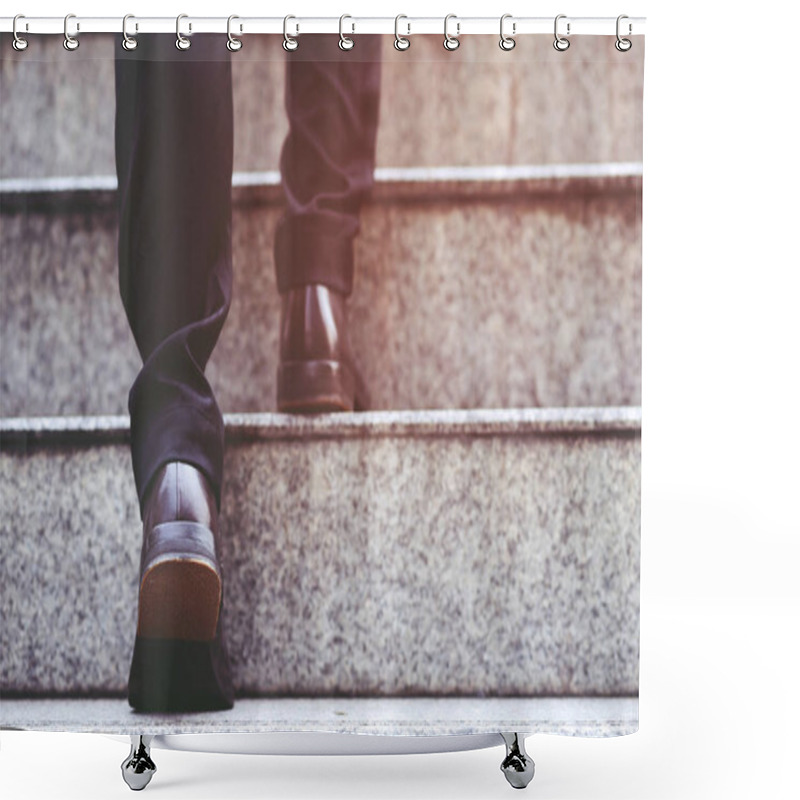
(179, 660)
(317, 372)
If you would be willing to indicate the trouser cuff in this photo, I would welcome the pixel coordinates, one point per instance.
(302, 259)
(179, 434)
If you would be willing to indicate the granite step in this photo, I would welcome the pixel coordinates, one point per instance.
(401, 721)
(479, 287)
(379, 554)
(477, 105)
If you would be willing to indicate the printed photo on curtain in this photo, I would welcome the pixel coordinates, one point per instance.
(320, 388)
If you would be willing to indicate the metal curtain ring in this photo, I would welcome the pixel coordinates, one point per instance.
(560, 43)
(623, 45)
(400, 42)
(70, 42)
(345, 43)
(128, 42)
(234, 44)
(182, 43)
(506, 42)
(451, 42)
(19, 43)
(289, 42)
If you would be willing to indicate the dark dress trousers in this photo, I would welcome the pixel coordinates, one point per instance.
(174, 156)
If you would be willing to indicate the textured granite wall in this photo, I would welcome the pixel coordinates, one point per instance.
(419, 556)
(509, 301)
(477, 105)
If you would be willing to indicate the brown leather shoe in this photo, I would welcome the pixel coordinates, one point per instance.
(179, 661)
(317, 372)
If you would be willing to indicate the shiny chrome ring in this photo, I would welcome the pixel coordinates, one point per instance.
(506, 42)
(451, 42)
(70, 42)
(400, 42)
(289, 42)
(19, 44)
(233, 44)
(182, 43)
(345, 42)
(561, 43)
(128, 42)
(623, 45)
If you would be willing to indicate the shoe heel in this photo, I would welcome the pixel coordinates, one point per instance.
(311, 387)
(179, 598)
(180, 593)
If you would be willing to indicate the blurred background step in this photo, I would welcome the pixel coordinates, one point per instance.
(477, 105)
(475, 287)
(385, 553)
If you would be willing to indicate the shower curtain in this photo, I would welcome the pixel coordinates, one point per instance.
(321, 384)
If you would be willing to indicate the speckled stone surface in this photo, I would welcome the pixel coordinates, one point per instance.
(499, 557)
(477, 105)
(22, 432)
(417, 716)
(65, 345)
(510, 301)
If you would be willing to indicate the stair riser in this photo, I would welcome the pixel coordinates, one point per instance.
(515, 302)
(440, 565)
(478, 105)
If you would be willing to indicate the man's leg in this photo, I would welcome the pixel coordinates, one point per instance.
(174, 149)
(174, 146)
(327, 165)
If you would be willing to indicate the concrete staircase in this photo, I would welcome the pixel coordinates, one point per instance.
(390, 553)
(493, 288)
(531, 105)
(475, 535)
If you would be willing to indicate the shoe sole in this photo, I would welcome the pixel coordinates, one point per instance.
(172, 676)
(179, 599)
(314, 387)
